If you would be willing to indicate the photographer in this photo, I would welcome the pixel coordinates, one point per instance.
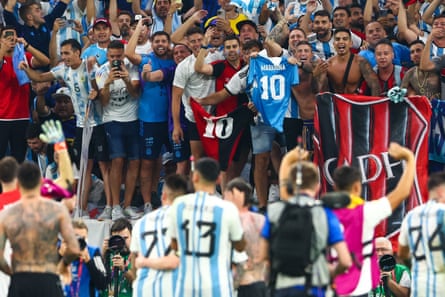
(117, 260)
(395, 276)
(88, 274)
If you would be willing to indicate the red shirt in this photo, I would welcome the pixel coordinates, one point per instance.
(14, 103)
(9, 197)
(223, 72)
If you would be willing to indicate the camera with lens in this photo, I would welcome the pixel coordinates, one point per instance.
(82, 243)
(387, 263)
(116, 245)
(116, 64)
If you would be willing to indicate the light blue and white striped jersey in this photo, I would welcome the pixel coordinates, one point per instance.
(77, 81)
(325, 49)
(251, 8)
(72, 12)
(436, 51)
(150, 239)
(423, 231)
(422, 25)
(204, 226)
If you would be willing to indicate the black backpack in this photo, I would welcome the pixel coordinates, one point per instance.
(292, 241)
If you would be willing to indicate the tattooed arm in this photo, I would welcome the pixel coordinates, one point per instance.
(370, 76)
(280, 32)
(66, 229)
(3, 264)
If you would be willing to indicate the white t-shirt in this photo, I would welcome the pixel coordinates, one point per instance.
(122, 106)
(194, 84)
(204, 226)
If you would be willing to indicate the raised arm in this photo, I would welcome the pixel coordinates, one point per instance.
(370, 76)
(289, 160)
(53, 54)
(427, 16)
(136, 7)
(367, 12)
(91, 12)
(38, 58)
(130, 50)
(405, 184)
(305, 21)
(402, 22)
(200, 65)
(426, 64)
(113, 18)
(179, 34)
(280, 32)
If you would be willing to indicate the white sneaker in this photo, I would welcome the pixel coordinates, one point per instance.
(117, 213)
(106, 214)
(81, 214)
(147, 207)
(274, 193)
(131, 214)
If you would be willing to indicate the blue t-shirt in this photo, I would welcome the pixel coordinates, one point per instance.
(269, 82)
(154, 101)
(401, 55)
(98, 52)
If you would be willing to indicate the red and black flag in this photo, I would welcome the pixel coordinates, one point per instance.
(356, 130)
(220, 135)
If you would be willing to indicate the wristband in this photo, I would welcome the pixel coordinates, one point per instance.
(26, 46)
(204, 46)
(60, 146)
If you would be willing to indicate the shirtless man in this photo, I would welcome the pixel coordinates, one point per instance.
(305, 93)
(306, 90)
(32, 226)
(250, 271)
(418, 82)
(360, 69)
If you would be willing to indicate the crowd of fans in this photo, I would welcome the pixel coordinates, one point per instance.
(140, 86)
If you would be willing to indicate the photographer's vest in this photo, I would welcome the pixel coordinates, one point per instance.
(352, 222)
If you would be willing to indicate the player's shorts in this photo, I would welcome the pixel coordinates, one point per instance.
(151, 139)
(31, 284)
(123, 139)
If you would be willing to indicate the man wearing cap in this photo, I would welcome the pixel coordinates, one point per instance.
(102, 32)
(248, 30)
(63, 111)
